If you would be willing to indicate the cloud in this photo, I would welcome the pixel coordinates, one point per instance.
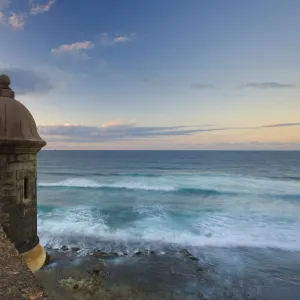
(106, 40)
(269, 85)
(17, 21)
(74, 47)
(152, 81)
(37, 8)
(122, 39)
(253, 145)
(117, 124)
(81, 47)
(2, 18)
(280, 125)
(202, 86)
(26, 81)
(115, 131)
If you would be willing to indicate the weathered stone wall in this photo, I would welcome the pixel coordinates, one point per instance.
(16, 280)
(18, 216)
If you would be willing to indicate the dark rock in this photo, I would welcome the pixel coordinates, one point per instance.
(98, 273)
(152, 252)
(48, 260)
(187, 254)
(201, 295)
(104, 255)
(64, 248)
(139, 253)
(200, 269)
(96, 266)
(75, 249)
(76, 286)
(98, 270)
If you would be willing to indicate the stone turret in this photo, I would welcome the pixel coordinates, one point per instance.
(19, 145)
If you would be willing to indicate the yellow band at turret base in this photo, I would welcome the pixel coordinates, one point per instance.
(35, 258)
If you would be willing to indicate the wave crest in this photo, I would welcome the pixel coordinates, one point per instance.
(210, 184)
(90, 184)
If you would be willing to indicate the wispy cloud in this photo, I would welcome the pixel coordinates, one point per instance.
(37, 8)
(281, 125)
(269, 85)
(117, 131)
(17, 21)
(2, 18)
(113, 130)
(117, 124)
(107, 40)
(122, 39)
(27, 81)
(202, 86)
(82, 46)
(251, 145)
(74, 47)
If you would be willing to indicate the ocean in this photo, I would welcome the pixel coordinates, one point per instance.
(236, 212)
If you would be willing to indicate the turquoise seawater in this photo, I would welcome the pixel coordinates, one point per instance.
(238, 212)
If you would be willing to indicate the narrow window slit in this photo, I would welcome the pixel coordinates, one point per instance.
(26, 188)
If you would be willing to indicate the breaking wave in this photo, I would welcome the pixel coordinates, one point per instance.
(191, 184)
(211, 210)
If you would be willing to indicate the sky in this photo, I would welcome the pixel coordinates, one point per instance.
(172, 74)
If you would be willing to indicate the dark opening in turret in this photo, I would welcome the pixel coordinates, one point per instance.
(26, 188)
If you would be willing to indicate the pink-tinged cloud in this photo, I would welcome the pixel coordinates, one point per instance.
(122, 39)
(41, 8)
(115, 131)
(107, 40)
(74, 47)
(69, 125)
(17, 21)
(2, 18)
(115, 124)
(109, 124)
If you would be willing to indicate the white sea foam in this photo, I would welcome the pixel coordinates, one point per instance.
(169, 183)
(156, 227)
(87, 183)
(248, 219)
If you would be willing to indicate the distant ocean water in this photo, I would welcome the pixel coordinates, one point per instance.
(237, 211)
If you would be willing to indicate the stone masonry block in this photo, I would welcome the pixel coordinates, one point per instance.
(22, 157)
(28, 165)
(3, 161)
(13, 167)
(12, 158)
(20, 174)
(31, 157)
(9, 192)
(10, 175)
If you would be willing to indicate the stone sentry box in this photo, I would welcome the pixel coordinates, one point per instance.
(19, 145)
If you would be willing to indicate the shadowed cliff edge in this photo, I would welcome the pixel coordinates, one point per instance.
(16, 280)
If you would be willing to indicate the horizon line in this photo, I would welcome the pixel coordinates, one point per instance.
(215, 150)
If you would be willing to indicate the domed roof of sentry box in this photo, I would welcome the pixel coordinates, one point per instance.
(16, 122)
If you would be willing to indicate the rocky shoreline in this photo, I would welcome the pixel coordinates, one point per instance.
(110, 275)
